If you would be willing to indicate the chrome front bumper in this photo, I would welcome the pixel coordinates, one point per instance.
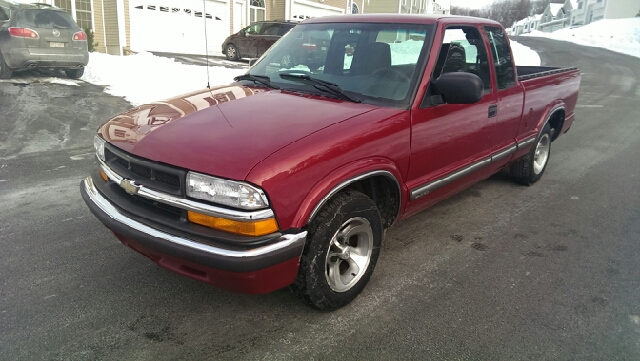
(235, 260)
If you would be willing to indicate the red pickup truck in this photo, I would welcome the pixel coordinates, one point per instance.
(290, 175)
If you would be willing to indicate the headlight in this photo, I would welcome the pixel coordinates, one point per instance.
(226, 192)
(98, 144)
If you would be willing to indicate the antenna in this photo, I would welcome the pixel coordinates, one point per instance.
(206, 41)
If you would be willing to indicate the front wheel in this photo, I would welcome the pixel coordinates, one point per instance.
(342, 249)
(231, 52)
(529, 169)
(5, 71)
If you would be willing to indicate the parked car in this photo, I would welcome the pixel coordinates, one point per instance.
(36, 36)
(255, 39)
(290, 176)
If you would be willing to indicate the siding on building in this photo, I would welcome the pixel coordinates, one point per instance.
(127, 23)
(98, 26)
(111, 27)
(620, 9)
(381, 6)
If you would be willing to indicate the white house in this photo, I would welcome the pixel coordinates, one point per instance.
(526, 25)
(555, 17)
(408, 6)
(588, 11)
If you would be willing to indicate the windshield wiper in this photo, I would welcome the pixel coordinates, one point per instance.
(262, 79)
(320, 85)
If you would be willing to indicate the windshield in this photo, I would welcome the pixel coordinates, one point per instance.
(374, 63)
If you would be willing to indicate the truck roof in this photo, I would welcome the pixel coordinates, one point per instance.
(399, 18)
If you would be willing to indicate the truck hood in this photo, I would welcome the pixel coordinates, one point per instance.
(224, 131)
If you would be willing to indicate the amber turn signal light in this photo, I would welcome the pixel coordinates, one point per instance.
(103, 175)
(248, 228)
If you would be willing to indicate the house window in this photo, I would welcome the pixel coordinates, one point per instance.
(354, 8)
(63, 4)
(257, 10)
(580, 5)
(83, 14)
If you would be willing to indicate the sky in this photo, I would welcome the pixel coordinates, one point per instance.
(472, 4)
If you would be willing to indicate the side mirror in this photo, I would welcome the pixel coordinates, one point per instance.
(252, 62)
(460, 88)
(241, 32)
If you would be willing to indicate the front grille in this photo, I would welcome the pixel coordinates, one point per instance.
(140, 170)
(148, 173)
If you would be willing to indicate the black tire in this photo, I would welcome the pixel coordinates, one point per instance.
(5, 71)
(353, 221)
(74, 73)
(529, 169)
(231, 52)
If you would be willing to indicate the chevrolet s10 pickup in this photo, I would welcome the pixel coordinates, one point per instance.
(290, 175)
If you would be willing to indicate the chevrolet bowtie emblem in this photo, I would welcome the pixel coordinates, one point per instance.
(129, 186)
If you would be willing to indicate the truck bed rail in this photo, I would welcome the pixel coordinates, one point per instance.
(531, 72)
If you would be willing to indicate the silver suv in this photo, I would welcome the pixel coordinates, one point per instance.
(40, 36)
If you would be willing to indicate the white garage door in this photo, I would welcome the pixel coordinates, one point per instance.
(306, 10)
(177, 26)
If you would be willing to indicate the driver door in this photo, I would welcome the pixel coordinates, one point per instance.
(450, 141)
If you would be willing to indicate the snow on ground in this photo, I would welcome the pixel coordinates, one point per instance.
(144, 77)
(620, 35)
(524, 56)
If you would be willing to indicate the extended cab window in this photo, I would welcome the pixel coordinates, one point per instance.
(463, 50)
(270, 29)
(502, 62)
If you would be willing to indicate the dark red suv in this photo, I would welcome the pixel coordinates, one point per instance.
(255, 39)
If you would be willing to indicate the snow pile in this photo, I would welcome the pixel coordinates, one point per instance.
(524, 56)
(621, 35)
(406, 52)
(144, 77)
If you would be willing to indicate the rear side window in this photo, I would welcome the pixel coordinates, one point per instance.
(5, 13)
(47, 19)
(284, 29)
(270, 29)
(502, 61)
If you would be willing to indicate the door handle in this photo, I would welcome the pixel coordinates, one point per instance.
(493, 111)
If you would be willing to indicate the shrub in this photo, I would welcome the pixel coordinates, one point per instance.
(90, 44)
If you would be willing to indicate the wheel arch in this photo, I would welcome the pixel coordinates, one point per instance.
(555, 117)
(370, 177)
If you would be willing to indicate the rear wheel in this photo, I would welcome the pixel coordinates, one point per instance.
(5, 71)
(529, 169)
(341, 252)
(231, 52)
(74, 73)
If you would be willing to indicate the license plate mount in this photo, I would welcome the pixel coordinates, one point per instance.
(56, 45)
